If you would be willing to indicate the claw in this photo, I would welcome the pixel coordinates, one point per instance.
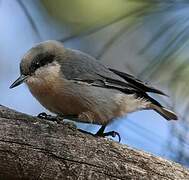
(57, 118)
(101, 134)
(113, 134)
(43, 115)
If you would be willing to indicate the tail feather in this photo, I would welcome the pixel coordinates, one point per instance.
(166, 113)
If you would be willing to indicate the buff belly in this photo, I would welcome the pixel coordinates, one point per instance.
(93, 104)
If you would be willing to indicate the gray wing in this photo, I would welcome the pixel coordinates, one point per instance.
(138, 83)
(80, 67)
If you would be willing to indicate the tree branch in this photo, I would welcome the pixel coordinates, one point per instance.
(31, 148)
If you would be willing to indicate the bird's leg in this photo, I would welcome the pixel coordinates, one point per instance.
(100, 133)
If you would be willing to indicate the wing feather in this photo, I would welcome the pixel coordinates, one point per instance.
(81, 67)
(137, 83)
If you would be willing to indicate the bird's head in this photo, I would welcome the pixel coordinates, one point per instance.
(38, 60)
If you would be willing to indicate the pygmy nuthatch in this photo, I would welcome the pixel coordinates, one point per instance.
(70, 82)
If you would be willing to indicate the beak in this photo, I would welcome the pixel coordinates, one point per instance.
(19, 81)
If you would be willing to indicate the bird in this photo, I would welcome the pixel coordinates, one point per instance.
(72, 83)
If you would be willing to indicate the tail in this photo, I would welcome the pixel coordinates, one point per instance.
(166, 113)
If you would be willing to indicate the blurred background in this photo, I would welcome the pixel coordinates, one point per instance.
(147, 38)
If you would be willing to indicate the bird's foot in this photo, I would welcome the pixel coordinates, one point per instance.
(46, 116)
(110, 133)
(101, 133)
(57, 119)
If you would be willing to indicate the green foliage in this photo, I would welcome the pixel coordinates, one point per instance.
(82, 15)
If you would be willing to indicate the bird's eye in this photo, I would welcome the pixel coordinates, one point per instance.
(40, 61)
(37, 65)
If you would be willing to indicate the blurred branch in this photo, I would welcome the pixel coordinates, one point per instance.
(163, 29)
(133, 25)
(114, 38)
(171, 48)
(29, 17)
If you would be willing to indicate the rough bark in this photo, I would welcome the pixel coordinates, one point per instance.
(31, 148)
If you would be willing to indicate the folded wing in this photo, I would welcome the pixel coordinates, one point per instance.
(80, 67)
